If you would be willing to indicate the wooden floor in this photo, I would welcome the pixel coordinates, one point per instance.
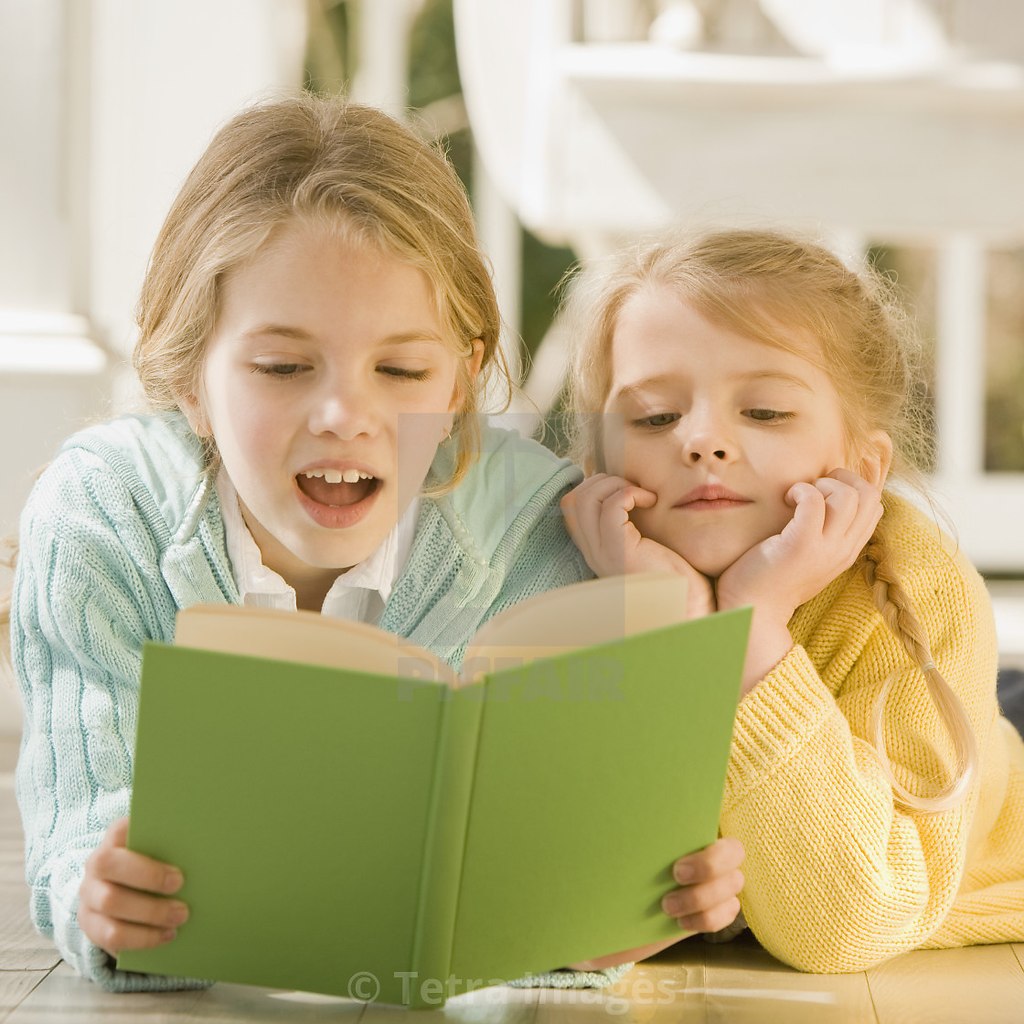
(694, 982)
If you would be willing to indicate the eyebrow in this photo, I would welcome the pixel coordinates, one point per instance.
(776, 376)
(300, 334)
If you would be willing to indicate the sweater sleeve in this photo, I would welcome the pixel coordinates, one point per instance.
(88, 592)
(840, 876)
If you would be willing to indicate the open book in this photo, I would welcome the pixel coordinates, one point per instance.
(353, 819)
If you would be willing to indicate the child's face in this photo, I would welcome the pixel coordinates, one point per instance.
(717, 425)
(327, 360)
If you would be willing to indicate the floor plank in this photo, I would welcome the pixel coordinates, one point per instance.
(496, 1004)
(22, 948)
(668, 987)
(949, 986)
(14, 987)
(242, 1004)
(744, 983)
(64, 996)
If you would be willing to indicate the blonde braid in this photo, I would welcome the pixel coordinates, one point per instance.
(896, 609)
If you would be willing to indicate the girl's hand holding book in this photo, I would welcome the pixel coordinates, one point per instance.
(597, 518)
(707, 899)
(122, 898)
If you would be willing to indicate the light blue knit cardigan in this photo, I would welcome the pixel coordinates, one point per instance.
(122, 530)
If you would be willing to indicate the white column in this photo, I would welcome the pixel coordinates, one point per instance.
(382, 79)
(960, 361)
(501, 241)
(105, 105)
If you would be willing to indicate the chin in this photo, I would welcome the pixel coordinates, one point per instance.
(710, 565)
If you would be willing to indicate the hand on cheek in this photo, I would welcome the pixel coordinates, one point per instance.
(597, 518)
(833, 519)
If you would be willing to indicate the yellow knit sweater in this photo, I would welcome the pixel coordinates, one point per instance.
(839, 876)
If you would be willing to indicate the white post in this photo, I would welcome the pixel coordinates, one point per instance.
(383, 39)
(960, 362)
(501, 241)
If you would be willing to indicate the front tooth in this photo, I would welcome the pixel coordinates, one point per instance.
(351, 476)
(333, 476)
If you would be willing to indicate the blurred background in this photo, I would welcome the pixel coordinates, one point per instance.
(894, 129)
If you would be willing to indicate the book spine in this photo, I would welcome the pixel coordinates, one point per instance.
(444, 844)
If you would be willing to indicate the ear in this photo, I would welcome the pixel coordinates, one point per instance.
(876, 458)
(473, 363)
(193, 411)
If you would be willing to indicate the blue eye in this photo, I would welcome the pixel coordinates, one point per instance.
(767, 415)
(278, 370)
(403, 374)
(659, 419)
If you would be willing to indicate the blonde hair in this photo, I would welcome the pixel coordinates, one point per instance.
(349, 167)
(781, 291)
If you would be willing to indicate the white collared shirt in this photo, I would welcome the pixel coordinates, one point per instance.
(358, 594)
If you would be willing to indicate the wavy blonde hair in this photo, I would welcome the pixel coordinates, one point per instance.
(780, 290)
(349, 167)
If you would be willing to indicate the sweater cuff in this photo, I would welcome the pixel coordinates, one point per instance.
(774, 722)
(97, 965)
(567, 978)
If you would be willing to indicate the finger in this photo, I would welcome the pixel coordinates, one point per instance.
(855, 480)
(808, 512)
(129, 905)
(581, 506)
(600, 521)
(122, 866)
(696, 899)
(713, 920)
(116, 936)
(841, 504)
(602, 486)
(117, 833)
(870, 493)
(869, 504)
(722, 856)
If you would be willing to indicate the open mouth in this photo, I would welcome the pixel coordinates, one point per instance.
(337, 488)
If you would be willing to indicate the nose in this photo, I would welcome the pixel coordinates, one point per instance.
(706, 440)
(343, 410)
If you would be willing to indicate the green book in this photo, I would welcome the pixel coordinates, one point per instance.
(352, 819)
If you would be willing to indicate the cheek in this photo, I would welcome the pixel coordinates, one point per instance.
(247, 428)
(622, 454)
